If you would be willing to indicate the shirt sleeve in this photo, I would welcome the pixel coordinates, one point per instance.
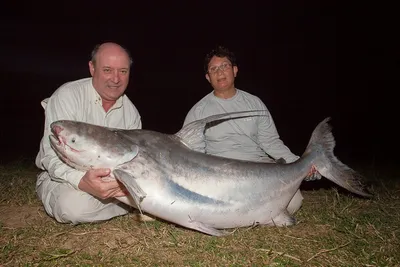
(59, 107)
(269, 139)
(136, 121)
(190, 117)
(134, 118)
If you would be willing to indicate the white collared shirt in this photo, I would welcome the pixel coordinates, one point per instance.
(78, 100)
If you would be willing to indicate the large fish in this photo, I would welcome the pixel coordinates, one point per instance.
(168, 179)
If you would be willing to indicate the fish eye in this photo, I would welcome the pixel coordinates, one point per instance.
(73, 140)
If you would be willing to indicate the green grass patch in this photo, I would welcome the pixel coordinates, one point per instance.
(334, 228)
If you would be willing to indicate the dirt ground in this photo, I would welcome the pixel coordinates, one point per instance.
(21, 216)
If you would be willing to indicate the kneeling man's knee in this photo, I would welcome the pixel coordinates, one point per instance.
(70, 207)
(74, 206)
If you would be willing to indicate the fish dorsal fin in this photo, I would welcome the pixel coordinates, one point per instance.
(192, 134)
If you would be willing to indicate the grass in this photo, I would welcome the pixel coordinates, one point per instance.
(334, 229)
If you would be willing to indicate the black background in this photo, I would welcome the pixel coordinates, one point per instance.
(306, 61)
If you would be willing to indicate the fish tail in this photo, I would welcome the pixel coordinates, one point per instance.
(327, 164)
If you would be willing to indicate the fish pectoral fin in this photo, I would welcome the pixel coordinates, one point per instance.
(134, 150)
(131, 185)
(208, 229)
(283, 219)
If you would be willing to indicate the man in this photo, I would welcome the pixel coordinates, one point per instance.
(251, 138)
(69, 195)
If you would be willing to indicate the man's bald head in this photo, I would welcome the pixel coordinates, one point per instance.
(110, 69)
(109, 47)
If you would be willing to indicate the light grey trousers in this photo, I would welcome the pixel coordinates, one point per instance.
(295, 203)
(68, 205)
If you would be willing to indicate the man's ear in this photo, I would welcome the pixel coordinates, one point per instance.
(235, 71)
(91, 67)
(208, 77)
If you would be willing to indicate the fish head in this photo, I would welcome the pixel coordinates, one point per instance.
(85, 146)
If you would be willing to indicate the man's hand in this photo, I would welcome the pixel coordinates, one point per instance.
(93, 183)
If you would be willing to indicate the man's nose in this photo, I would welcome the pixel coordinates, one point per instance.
(115, 77)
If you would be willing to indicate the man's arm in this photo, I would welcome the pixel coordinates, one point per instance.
(272, 145)
(57, 108)
(61, 107)
(270, 141)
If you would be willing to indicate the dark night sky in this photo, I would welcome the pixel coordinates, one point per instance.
(306, 61)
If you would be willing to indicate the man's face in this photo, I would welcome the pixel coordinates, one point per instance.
(110, 73)
(221, 74)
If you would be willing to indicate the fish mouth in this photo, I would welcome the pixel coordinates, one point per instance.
(57, 145)
(60, 146)
(55, 138)
(59, 141)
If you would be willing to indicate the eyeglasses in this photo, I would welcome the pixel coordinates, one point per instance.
(222, 67)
